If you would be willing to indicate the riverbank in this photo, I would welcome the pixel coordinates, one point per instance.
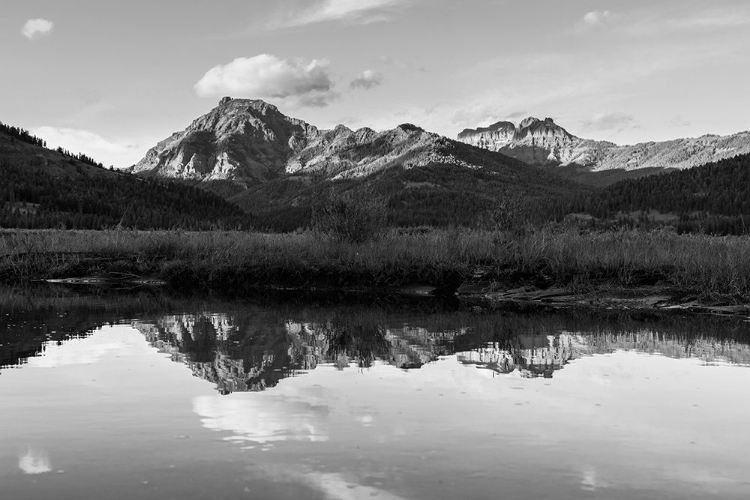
(483, 264)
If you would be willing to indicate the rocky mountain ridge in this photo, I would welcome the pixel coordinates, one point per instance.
(547, 144)
(252, 141)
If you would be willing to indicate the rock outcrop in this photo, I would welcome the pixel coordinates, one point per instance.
(544, 143)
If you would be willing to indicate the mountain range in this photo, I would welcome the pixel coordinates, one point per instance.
(275, 166)
(270, 170)
(251, 141)
(546, 144)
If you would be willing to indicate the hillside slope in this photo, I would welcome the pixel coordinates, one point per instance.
(43, 188)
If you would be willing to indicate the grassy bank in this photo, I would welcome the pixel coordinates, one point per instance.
(240, 260)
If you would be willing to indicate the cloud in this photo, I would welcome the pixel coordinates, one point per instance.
(367, 80)
(714, 18)
(353, 11)
(268, 77)
(596, 17)
(608, 121)
(83, 141)
(35, 28)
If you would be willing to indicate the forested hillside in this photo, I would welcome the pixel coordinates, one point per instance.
(436, 194)
(713, 198)
(42, 188)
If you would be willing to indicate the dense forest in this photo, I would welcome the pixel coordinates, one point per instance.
(43, 188)
(32, 199)
(713, 198)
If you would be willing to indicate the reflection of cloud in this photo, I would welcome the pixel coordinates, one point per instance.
(590, 481)
(336, 487)
(74, 352)
(258, 419)
(35, 462)
(267, 77)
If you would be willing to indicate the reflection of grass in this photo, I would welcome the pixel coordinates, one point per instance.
(238, 260)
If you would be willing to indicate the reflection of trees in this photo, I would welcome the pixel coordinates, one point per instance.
(361, 343)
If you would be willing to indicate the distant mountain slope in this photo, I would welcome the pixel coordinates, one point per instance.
(544, 143)
(42, 188)
(442, 192)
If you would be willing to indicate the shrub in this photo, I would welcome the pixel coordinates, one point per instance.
(352, 217)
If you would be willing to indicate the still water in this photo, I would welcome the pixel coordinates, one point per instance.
(140, 395)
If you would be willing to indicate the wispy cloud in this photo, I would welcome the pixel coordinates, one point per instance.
(36, 28)
(398, 63)
(354, 11)
(596, 16)
(367, 80)
(669, 21)
(87, 142)
(267, 77)
(608, 121)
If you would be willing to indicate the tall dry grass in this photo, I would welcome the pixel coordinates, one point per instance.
(237, 259)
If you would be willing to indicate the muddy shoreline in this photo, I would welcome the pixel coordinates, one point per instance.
(481, 295)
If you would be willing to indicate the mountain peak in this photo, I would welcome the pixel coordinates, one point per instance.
(539, 139)
(527, 122)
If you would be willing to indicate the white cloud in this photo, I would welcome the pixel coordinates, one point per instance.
(356, 11)
(366, 80)
(596, 16)
(268, 77)
(35, 28)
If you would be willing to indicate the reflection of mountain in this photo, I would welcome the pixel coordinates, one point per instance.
(253, 352)
(250, 346)
(250, 356)
(532, 356)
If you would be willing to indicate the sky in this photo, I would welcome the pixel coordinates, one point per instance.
(112, 78)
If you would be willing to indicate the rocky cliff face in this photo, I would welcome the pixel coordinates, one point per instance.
(251, 140)
(538, 142)
(239, 139)
(544, 143)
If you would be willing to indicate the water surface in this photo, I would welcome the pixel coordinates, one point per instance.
(139, 395)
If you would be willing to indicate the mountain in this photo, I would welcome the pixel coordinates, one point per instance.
(276, 167)
(251, 141)
(546, 144)
(44, 188)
